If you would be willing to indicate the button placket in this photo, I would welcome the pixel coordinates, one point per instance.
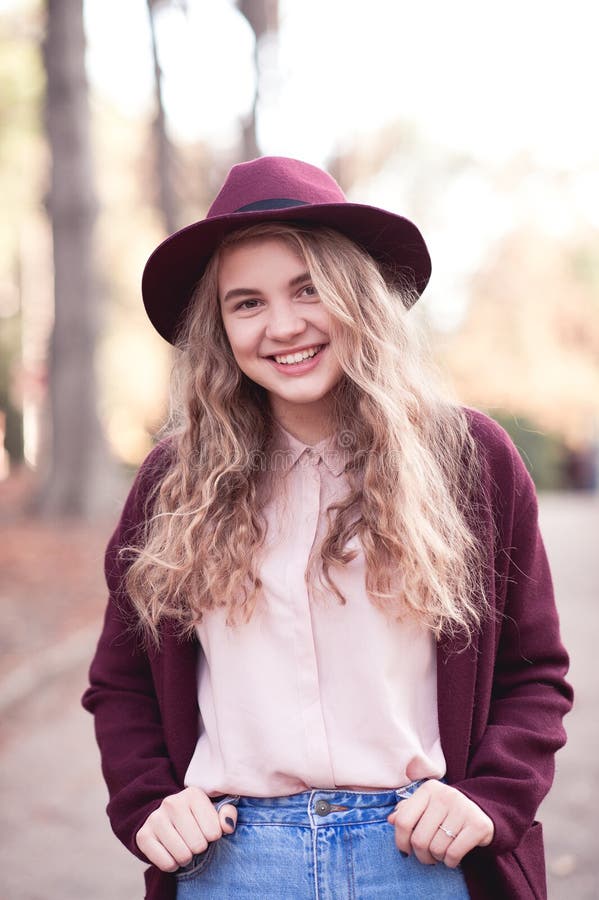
(316, 744)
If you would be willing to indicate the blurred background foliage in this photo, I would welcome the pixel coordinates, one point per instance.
(512, 311)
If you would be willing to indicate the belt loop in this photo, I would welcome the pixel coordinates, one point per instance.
(230, 798)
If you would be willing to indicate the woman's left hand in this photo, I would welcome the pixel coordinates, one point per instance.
(418, 820)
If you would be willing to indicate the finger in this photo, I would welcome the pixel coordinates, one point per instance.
(424, 833)
(406, 816)
(205, 814)
(159, 855)
(190, 831)
(227, 815)
(166, 833)
(178, 811)
(441, 841)
(466, 840)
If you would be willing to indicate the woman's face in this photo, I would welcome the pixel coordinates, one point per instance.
(272, 313)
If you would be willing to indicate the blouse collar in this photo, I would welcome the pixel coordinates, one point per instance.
(288, 450)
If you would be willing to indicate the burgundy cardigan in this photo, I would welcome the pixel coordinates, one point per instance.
(500, 701)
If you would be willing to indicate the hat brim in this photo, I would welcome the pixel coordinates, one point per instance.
(174, 268)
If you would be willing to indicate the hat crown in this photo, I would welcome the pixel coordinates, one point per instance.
(274, 178)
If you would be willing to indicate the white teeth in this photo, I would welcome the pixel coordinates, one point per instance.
(298, 357)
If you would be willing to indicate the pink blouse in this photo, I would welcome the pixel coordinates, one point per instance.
(310, 693)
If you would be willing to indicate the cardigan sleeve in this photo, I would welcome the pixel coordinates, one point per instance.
(122, 694)
(511, 767)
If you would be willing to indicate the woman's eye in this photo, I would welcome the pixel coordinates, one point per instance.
(246, 304)
(309, 291)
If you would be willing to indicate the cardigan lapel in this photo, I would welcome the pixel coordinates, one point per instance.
(456, 680)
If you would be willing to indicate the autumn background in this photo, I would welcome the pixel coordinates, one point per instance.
(118, 121)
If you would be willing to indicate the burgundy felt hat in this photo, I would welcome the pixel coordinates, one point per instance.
(276, 189)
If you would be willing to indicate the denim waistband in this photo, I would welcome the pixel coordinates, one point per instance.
(319, 807)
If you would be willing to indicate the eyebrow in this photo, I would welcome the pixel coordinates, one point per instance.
(244, 292)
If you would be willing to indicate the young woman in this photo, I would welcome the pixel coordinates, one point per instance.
(331, 664)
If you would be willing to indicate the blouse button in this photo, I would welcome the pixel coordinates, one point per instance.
(322, 808)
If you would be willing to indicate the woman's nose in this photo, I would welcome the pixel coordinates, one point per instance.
(284, 323)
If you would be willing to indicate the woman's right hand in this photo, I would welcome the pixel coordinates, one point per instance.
(182, 826)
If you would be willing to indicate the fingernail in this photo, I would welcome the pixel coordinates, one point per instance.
(229, 821)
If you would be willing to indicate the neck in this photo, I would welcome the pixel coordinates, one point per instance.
(308, 422)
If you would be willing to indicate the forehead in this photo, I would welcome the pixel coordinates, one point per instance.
(260, 255)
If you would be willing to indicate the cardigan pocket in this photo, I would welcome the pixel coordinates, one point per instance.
(530, 856)
(521, 872)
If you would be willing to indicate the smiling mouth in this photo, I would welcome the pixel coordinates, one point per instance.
(290, 359)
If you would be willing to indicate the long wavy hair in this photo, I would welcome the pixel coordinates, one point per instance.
(411, 472)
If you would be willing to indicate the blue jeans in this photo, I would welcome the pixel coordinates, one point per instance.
(317, 845)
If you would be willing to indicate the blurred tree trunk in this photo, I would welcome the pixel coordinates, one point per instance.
(164, 149)
(80, 468)
(263, 16)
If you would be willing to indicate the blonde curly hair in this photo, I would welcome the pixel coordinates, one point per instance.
(412, 469)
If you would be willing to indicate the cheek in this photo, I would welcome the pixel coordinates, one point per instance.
(244, 347)
(323, 321)
(237, 338)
